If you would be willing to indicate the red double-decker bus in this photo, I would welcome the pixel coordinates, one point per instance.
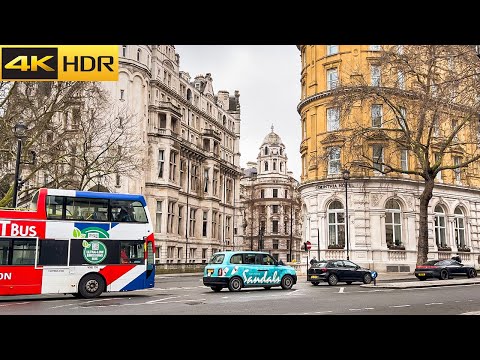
(82, 243)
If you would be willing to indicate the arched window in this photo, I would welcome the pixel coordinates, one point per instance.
(274, 165)
(189, 96)
(139, 52)
(281, 166)
(440, 229)
(336, 224)
(124, 50)
(266, 165)
(459, 224)
(266, 150)
(281, 151)
(393, 223)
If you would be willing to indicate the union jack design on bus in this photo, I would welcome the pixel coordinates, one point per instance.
(77, 242)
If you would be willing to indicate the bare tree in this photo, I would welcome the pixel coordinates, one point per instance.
(75, 131)
(251, 213)
(419, 99)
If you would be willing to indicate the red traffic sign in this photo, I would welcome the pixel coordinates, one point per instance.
(309, 245)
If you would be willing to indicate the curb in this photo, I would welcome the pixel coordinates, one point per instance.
(421, 284)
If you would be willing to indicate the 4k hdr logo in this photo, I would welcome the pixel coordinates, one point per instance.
(59, 63)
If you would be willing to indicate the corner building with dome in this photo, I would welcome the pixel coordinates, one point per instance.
(381, 211)
(270, 203)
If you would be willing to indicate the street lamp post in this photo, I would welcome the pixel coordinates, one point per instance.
(346, 177)
(19, 130)
(291, 220)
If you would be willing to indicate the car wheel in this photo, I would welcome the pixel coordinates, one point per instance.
(472, 273)
(91, 286)
(349, 282)
(287, 282)
(443, 275)
(235, 284)
(367, 278)
(216, 288)
(315, 283)
(332, 279)
(267, 287)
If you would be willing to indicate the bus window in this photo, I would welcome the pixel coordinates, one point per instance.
(4, 247)
(127, 211)
(54, 207)
(53, 252)
(33, 203)
(132, 252)
(23, 252)
(86, 209)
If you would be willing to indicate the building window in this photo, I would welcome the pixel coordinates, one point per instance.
(404, 159)
(180, 217)
(227, 227)
(173, 166)
(158, 217)
(193, 252)
(378, 157)
(229, 190)
(192, 222)
(334, 161)
(275, 226)
(275, 209)
(139, 53)
(333, 119)
(286, 194)
(124, 50)
(454, 129)
(194, 178)
(275, 193)
(204, 225)
(393, 224)
(375, 75)
(332, 50)
(161, 161)
(122, 95)
(171, 216)
(179, 253)
(266, 150)
(266, 165)
(336, 224)
(215, 182)
(377, 115)
(204, 255)
(304, 128)
(182, 172)
(262, 193)
(440, 229)
(459, 225)
(274, 165)
(205, 180)
(214, 224)
(374, 47)
(275, 244)
(332, 78)
(456, 161)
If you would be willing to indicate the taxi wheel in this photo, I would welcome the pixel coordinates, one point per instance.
(235, 284)
(287, 282)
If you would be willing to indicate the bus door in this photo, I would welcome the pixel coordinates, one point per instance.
(150, 276)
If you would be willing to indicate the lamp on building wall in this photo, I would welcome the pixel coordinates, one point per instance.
(346, 177)
(19, 130)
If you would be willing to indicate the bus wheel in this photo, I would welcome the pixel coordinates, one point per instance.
(91, 285)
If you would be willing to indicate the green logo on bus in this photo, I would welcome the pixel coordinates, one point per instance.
(94, 251)
(91, 232)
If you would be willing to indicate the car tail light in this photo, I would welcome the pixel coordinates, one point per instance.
(323, 269)
(427, 267)
(220, 272)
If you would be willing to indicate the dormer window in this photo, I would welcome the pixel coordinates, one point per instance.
(266, 150)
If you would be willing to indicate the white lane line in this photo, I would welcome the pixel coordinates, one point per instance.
(369, 308)
(341, 290)
(355, 309)
(433, 304)
(159, 300)
(471, 313)
(399, 306)
(224, 297)
(18, 303)
(323, 312)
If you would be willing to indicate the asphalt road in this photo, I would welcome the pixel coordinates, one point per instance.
(187, 295)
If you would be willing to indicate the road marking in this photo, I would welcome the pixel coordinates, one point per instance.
(224, 297)
(355, 309)
(369, 308)
(471, 313)
(399, 306)
(159, 300)
(341, 290)
(434, 304)
(323, 312)
(18, 303)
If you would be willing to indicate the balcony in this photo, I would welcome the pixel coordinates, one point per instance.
(210, 133)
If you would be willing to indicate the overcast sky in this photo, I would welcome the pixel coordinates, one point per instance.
(268, 78)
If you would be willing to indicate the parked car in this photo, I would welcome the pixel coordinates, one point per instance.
(238, 269)
(333, 271)
(444, 269)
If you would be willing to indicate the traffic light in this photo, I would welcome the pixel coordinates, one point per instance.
(305, 247)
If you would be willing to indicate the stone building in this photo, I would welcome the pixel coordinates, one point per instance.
(269, 203)
(381, 226)
(190, 145)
